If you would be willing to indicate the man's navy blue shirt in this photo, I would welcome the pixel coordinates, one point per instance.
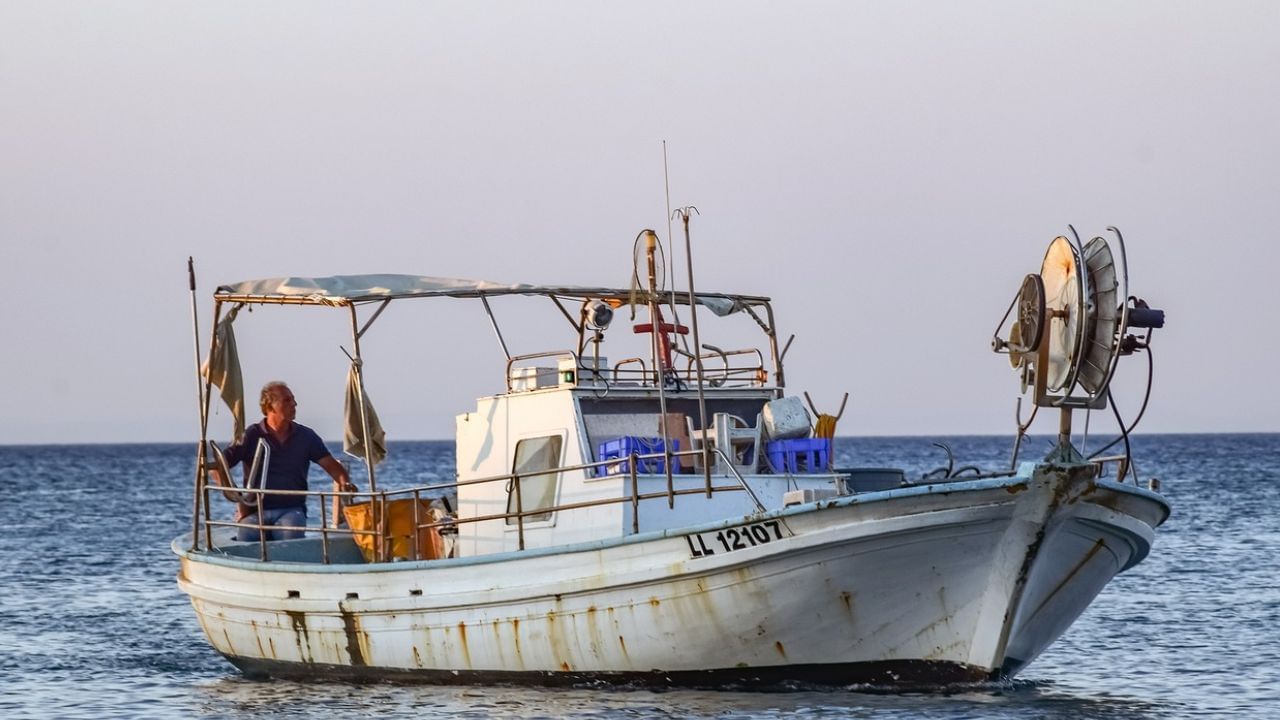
(290, 461)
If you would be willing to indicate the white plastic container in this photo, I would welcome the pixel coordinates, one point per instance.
(786, 418)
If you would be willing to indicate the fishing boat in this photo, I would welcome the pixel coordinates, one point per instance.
(676, 516)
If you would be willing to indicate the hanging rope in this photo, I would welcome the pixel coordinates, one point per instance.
(825, 425)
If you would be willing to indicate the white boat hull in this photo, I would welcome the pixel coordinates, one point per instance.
(921, 586)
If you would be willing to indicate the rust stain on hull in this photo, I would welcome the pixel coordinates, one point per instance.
(462, 638)
(515, 633)
(257, 637)
(299, 622)
(781, 650)
(595, 637)
(351, 629)
(1061, 495)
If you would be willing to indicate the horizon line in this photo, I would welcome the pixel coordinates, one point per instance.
(838, 437)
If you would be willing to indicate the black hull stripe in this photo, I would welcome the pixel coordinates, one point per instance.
(889, 674)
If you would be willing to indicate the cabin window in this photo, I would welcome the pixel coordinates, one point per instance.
(537, 489)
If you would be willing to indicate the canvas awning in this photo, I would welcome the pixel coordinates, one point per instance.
(340, 290)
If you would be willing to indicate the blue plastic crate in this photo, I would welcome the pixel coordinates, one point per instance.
(800, 455)
(622, 448)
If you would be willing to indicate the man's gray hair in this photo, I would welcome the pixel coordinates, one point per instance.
(268, 391)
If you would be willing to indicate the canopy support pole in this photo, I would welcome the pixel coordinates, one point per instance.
(373, 317)
(577, 326)
(494, 322)
(356, 332)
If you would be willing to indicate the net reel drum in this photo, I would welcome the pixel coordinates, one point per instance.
(1072, 324)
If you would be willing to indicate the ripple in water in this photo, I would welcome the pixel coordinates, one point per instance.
(94, 625)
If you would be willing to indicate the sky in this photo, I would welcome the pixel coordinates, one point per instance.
(886, 171)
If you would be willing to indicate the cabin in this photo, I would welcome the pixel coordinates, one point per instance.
(568, 430)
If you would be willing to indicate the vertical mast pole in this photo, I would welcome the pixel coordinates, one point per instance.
(697, 347)
(660, 376)
(200, 451)
(201, 472)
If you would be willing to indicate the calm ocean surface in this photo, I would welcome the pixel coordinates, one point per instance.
(93, 626)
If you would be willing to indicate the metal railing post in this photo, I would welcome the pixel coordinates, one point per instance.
(262, 533)
(208, 530)
(635, 498)
(519, 511)
(324, 532)
(417, 499)
(741, 481)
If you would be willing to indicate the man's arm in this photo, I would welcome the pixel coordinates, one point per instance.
(341, 483)
(339, 474)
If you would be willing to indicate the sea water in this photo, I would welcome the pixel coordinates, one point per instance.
(92, 624)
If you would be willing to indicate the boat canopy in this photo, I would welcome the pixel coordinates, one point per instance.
(343, 290)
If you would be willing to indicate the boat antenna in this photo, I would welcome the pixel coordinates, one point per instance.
(666, 184)
(671, 298)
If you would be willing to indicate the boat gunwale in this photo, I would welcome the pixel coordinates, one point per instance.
(214, 557)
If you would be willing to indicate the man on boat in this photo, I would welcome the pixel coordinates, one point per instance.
(294, 447)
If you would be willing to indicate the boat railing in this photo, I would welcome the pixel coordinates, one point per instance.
(623, 372)
(378, 537)
(721, 368)
(729, 372)
(259, 467)
(1123, 465)
(514, 367)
